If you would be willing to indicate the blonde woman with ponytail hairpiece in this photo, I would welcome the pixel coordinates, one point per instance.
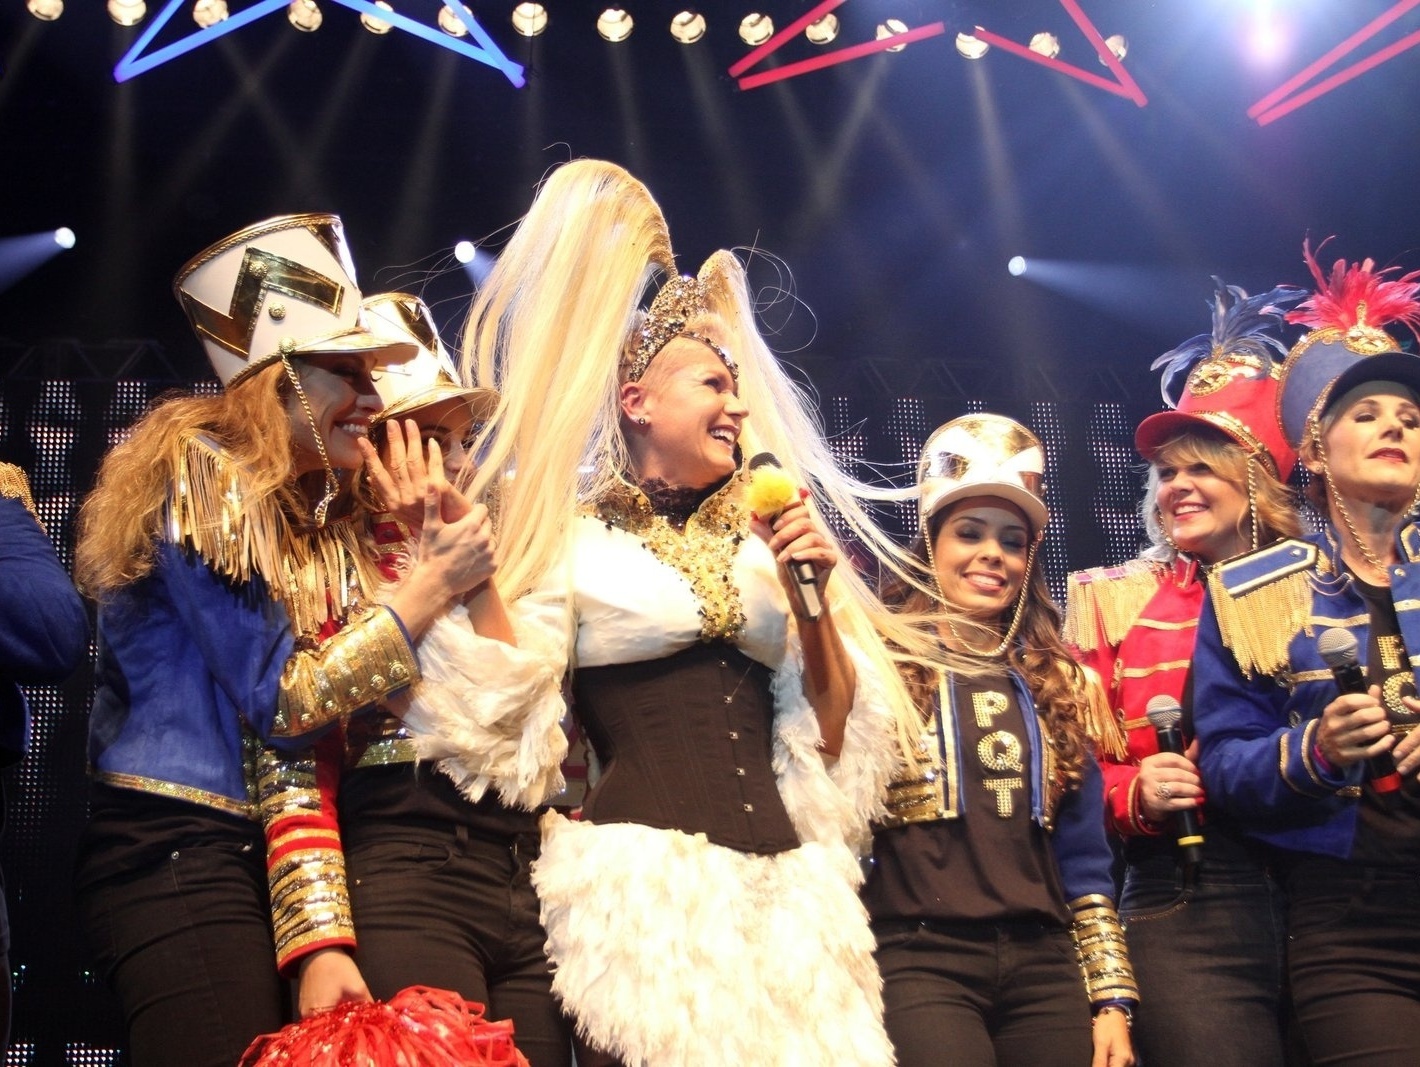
(703, 908)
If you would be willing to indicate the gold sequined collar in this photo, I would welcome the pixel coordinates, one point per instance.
(704, 553)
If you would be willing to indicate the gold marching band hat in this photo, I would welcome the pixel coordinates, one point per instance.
(430, 377)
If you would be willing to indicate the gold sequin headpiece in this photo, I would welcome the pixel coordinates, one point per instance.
(680, 300)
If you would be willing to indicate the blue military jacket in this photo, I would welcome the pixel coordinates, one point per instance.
(1257, 729)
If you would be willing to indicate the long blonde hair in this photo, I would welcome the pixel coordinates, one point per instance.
(121, 521)
(548, 330)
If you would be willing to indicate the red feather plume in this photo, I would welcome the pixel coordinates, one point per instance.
(1357, 291)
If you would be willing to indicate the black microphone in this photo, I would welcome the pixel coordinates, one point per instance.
(1164, 714)
(770, 492)
(1339, 651)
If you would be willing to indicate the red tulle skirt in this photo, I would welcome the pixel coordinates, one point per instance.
(417, 1027)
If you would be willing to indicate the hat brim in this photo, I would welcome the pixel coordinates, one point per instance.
(358, 340)
(1162, 427)
(1035, 511)
(481, 402)
(1403, 368)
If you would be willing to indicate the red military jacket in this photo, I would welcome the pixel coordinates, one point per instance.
(1135, 625)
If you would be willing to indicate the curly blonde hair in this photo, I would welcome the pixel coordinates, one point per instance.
(121, 520)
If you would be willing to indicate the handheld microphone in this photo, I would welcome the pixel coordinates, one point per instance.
(1339, 651)
(770, 492)
(1164, 714)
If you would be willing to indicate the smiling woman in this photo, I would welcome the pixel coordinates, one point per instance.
(237, 605)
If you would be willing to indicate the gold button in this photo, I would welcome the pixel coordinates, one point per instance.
(276, 310)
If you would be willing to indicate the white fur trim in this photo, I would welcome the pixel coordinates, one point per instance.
(832, 800)
(489, 713)
(669, 950)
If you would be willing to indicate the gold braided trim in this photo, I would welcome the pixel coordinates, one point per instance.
(1102, 723)
(704, 554)
(1102, 952)
(1144, 672)
(362, 664)
(310, 903)
(383, 753)
(16, 485)
(1258, 625)
(285, 782)
(178, 792)
(1112, 596)
(313, 572)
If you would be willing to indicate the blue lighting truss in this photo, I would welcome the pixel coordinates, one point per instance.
(137, 61)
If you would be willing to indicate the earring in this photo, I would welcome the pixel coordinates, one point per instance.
(641, 420)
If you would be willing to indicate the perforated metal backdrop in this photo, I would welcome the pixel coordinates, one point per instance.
(59, 430)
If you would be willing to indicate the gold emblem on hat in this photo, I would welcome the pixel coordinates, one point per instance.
(1218, 372)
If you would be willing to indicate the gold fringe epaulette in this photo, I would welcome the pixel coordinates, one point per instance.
(1110, 596)
(314, 572)
(1262, 600)
(15, 485)
(1101, 723)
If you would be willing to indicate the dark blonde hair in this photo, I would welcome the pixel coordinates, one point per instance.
(1275, 501)
(121, 521)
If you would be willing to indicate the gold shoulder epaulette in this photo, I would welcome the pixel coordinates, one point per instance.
(211, 512)
(1110, 596)
(15, 485)
(1262, 600)
(1101, 723)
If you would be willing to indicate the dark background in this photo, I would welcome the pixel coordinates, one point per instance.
(892, 189)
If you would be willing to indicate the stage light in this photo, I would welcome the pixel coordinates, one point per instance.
(377, 25)
(304, 15)
(529, 19)
(614, 24)
(27, 252)
(207, 13)
(687, 27)
(1118, 44)
(464, 251)
(822, 31)
(450, 22)
(1016, 265)
(969, 47)
(1045, 44)
(64, 237)
(127, 12)
(755, 29)
(45, 10)
(892, 28)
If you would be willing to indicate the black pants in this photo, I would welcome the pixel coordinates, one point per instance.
(983, 995)
(1215, 950)
(1354, 955)
(187, 946)
(439, 908)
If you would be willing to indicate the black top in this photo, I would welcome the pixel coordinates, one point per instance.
(685, 743)
(1389, 830)
(992, 864)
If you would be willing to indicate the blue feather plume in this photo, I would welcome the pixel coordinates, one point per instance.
(1240, 324)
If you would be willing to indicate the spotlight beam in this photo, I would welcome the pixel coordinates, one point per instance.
(842, 55)
(136, 61)
(1271, 102)
(1341, 77)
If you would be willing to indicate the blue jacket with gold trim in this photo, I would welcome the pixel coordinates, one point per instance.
(1259, 691)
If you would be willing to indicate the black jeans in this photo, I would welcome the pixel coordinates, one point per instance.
(187, 946)
(440, 908)
(1210, 960)
(983, 994)
(1355, 962)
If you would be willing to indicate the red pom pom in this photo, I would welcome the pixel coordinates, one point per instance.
(417, 1027)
